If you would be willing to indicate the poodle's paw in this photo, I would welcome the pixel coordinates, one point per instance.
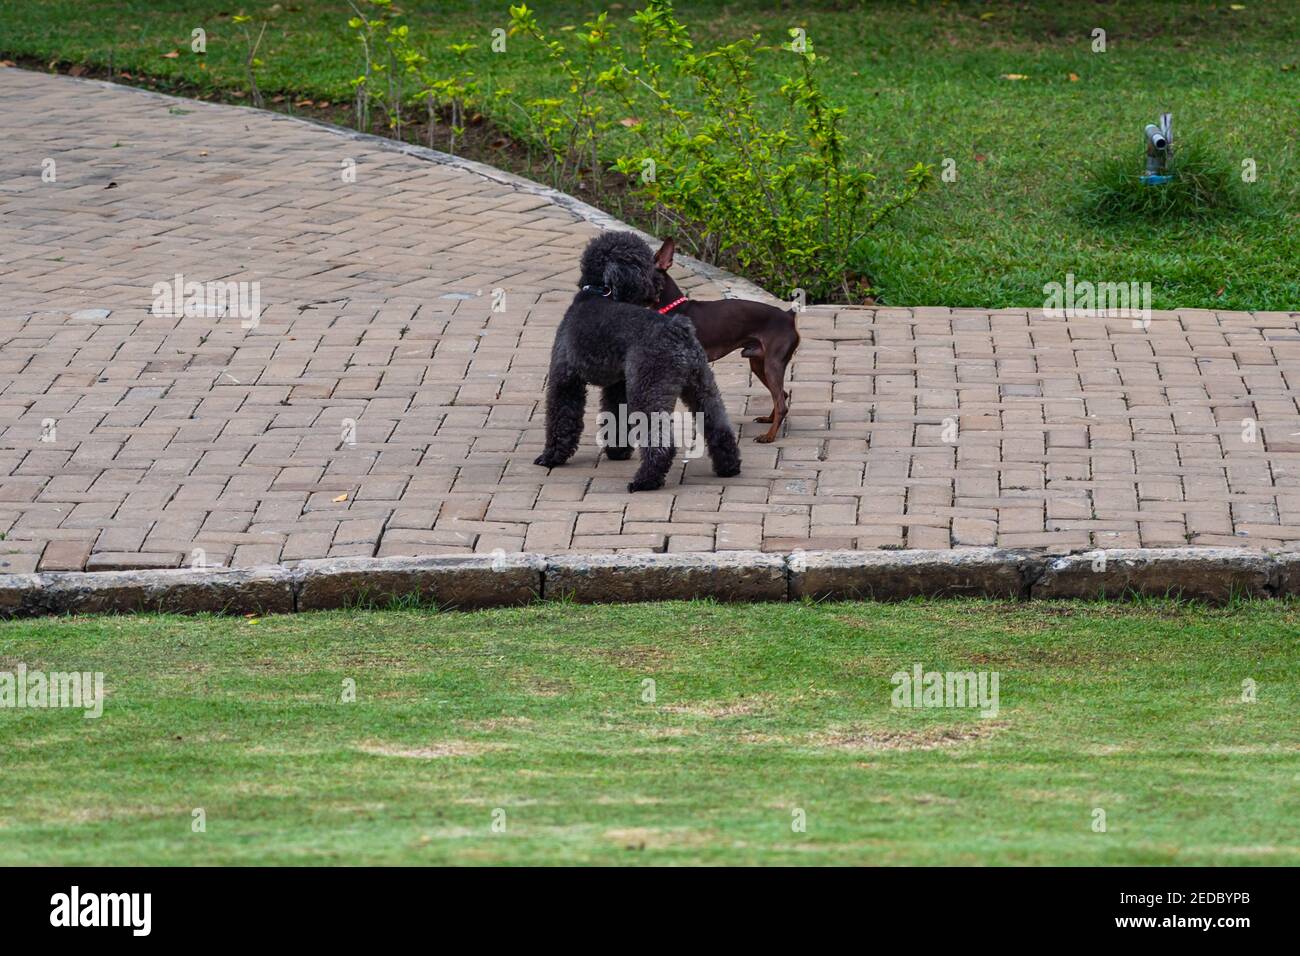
(728, 469)
(764, 420)
(645, 484)
(765, 439)
(548, 460)
(618, 454)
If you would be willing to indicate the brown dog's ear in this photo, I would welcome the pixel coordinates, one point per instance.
(664, 257)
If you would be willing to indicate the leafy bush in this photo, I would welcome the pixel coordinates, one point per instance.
(780, 199)
(570, 127)
(766, 187)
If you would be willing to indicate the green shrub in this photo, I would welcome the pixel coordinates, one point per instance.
(767, 189)
(779, 199)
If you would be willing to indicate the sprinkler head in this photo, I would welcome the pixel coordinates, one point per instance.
(1159, 150)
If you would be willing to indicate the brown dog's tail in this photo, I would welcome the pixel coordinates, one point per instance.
(794, 328)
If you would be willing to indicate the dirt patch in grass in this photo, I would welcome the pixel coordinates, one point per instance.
(444, 748)
(642, 838)
(929, 739)
(496, 723)
(638, 655)
(548, 688)
(745, 707)
(1107, 750)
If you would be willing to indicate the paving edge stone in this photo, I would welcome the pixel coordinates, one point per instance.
(479, 581)
(475, 581)
(618, 578)
(182, 591)
(1207, 574)
(896, 575)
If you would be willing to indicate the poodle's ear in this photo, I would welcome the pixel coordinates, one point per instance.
(630, 283)
(664, 257)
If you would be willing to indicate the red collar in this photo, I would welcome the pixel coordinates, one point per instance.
(672, 305)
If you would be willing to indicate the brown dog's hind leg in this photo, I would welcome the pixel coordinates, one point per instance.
(773, 376)
(756, 366)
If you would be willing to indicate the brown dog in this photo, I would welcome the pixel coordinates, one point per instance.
(765, 334)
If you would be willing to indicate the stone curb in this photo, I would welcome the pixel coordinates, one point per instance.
(619, 578)
(480, 581)
(1206, 574)
(895, 575)
(453, 582)
(184, 591)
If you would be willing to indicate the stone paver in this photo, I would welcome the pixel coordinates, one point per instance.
(381, 407)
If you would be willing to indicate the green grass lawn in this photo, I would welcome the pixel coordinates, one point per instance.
(758, 711)
(922, 82)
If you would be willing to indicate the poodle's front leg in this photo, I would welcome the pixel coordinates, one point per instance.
(566, 400)
(613, 407)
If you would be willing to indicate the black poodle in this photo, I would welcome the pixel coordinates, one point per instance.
(642, 361)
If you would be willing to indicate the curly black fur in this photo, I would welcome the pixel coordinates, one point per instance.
(638, 358)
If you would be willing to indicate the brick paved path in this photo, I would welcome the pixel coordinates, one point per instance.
(129, 439)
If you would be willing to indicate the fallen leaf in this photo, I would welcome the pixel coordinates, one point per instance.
(629, 121)
(988, 16)
(7, 63)
(980, 157)
(1236, 6)
(305, 103)
(1014, 76)
(1220, 292)
(1074, 77)
(277, 99)
(77, 70)
(323, 104)
(171, 56)
(203, 152)
(341, 498)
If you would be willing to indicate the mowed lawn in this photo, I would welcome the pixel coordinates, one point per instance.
(541, 721)
(1012, 93)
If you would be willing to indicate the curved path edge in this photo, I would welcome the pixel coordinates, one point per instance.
(1215, 575)
(732, 286)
